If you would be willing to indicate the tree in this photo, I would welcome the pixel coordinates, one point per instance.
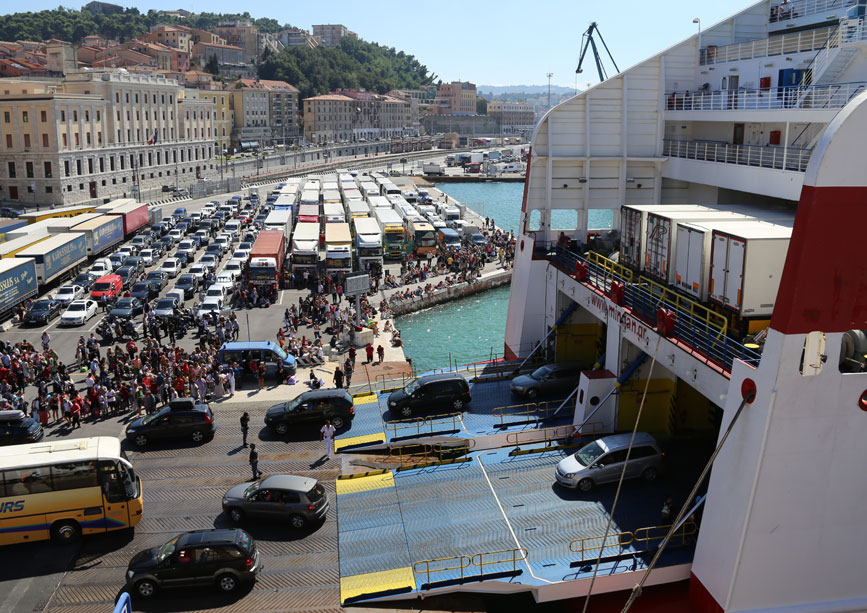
(481, 106)
(213, 65)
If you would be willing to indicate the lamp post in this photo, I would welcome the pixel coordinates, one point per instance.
(550, 74)
(698, 21)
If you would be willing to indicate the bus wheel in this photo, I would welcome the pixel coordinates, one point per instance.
(66, 531)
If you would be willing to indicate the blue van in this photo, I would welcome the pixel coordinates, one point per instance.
(448, 238)
(266, 351)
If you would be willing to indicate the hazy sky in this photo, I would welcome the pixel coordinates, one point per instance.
(505, 42)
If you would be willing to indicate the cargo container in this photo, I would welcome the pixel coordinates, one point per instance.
(378, 202)
(38, 229)
(308, 213)
(358, 208)
(155, 215)
(113, 204)
(102, 233)
(633, 229)
(333, 212)
(9, 249)
(284, 202)
(368, 242)
(64, 224)
(338, 248)
(267, 257)
(280, 221)
(305, 246)
(11, 226)
(309, 196)
(394, 234)
(135, 216)
(746, 265)
(18, 282)
(56, 255)
(66, 211)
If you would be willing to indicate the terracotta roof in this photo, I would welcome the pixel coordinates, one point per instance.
(331, 97)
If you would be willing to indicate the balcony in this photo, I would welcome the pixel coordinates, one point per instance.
(786, 11)
(779, 158)
(797, 42)
(834, 96)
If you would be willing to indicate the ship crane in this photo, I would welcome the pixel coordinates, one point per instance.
(587, 40)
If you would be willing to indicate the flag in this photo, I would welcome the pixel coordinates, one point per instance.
(153, 140)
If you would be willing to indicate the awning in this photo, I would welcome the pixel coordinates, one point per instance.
(249, 144)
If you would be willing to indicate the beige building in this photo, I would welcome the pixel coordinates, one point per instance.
(351, 116)
(331, 34)
(265, 113)
(99, 135)
(296, 37)
(241, 34)
(456, 98)
(513, 117)
(222, 117)
(178, 38)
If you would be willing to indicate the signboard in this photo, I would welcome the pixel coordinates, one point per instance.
(17, 284)
(357, 284)
(108, 234)
(64, 257)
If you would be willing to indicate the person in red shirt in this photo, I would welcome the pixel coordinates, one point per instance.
(369, 351)
(131, 348)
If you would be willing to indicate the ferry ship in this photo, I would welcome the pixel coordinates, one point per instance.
(723, 313)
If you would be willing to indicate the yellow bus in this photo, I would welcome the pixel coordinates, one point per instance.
(67, 211)
(63, 489)
(422, 238)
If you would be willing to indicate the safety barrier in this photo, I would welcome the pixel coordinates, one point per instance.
(641, 540)
(608, 270)
(417, 453)
(424, 425)
(479, 560)
(545, 435)
(535, 410)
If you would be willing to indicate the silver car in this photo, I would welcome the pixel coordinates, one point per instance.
(300, 500)
(602, 461)
(551, 379)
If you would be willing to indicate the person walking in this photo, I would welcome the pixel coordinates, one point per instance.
(369, 351)
(326, 435)
(338, 377)
(230, 377)
(254, 461)
(46, 340)
(245, 426)
(261, 372)
(380, 351)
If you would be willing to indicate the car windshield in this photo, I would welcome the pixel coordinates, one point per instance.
(76, 306)
(252, 489)
(233, 266)
(102, 287)
(412, 387)
(41, 305)
(166, 303)
(154, 275)
(541, 373)
(166, 550)
(185, 280)
(124, 303)
(149, 418)
(215, 292)
(170, 264)
(589, 453)
(66, 290)
(140, 287)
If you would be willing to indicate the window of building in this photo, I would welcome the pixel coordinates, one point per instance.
(25, 117)
(88, 138)
(74, 115)
(12, 174)
(8, 141)
(78, 167)
(45, 140)
(66, 167)
(27, 141)
(101, 164)
(46, 168)
(77, 140)
(7, 118)
(136, 98)
(49, 189)
(86, 115)
(90, 165)
(43, 116)
(117, 98)
(98, 115)
(28, 169)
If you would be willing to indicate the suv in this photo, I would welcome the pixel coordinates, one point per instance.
(312, 407)
(442, 392)
(183, 418)
(301, 500)
(16, 427)
(547, 380)
(602, 461)
(222, 557)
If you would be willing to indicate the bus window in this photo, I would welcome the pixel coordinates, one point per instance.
(74, 475)
(22, 481)
(112, 482)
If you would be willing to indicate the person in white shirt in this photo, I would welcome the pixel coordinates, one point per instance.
(326, 435)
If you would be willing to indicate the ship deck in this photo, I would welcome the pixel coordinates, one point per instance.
(493, 517)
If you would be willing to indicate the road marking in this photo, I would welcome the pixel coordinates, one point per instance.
(282, 293)
(45, 329)
(14, 597)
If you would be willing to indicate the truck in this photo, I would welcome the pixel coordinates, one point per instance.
(368, 242)
(333, 213)
(633, 229)
(433, 169)
(56, 255)
(284, 202)
(267, 258)
(280, 221)
(308, 213)
(17, 282)
(358, 208)
(394, 235)
(309, 196)
(746, 263)
(338, 248)
(113, 204)
(65, 224)
(101, 233)
(135, 217)
(305, 246)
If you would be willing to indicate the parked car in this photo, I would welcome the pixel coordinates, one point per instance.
(102, 266)
(125, 308)
(42, 311)
(9, 212)
(546, 380)
(78, 312)
(165, 307)
(602, 461)
(66, 294)
(222, 557)
(108, 286)
(158, 277)
(171, 266)
(128, 275)
(182, 418)
(144, 291)
(116, 260)
(298, 500)
(85, 280)
(188, 283)
(17, 428)
(444, 392)
(148, 256)
(312, 407)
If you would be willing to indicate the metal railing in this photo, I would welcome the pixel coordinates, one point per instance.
(606, 270)
(849, 31)
(801, 8)
(779, 158)
(641, 540)
(668, 297)
(797, 42)
(414, 453)
(535, 411)
(424, 425)
(810, 97)
(546, 435)
(479, 560)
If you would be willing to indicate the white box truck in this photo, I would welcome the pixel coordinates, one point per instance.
(279, 220)
(338, 248)
(633, 229)
(368, 242)
(305, 247)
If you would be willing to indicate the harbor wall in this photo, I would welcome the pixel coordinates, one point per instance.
(486, 282)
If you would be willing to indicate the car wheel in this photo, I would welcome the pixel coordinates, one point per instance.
(532, 393)
(297, 521)
(198, 436)
(281, 428)
(236, 515)
(458, 404)
(65, 532)
(337, 422)
(145, 588)
(406, 411)
(649, 474)
(141, 440)
(227, 583)
(585, 485)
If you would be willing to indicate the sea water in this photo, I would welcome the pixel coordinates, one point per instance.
(472, 329)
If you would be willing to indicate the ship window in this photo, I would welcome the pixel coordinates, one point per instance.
(725, 82)
(534, 221)
(853, 352)
(564, 219)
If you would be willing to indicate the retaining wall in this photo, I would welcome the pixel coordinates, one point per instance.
(502, 277)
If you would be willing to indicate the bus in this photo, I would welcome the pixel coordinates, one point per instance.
(393, 232)
(63, 489)
(421, 238)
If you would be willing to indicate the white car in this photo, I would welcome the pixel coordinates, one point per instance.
(233, 268)
(66, 294)
(127, 250)
(198, 271)
(217, 290)
(165, 307)
(223, 241)
(226, 278)
(101, 267)
(188, 247)
(148, 256)
(241, 254)
(176, 235)
(209, 261)
(208, 210)
(172, 266)
(211, 305)
(78, 312)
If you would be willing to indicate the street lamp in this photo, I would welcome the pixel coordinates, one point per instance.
(698, 21)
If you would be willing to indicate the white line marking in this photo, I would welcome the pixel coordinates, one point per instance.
(282, 293)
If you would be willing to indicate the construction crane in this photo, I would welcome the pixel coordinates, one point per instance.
(588, 41)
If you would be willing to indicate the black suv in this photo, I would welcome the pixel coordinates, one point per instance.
(441, 393)
(183, 418)
(188, 283)
(222, 557)
(312, 407)
(16, 427)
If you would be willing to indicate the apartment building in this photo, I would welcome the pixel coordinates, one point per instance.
(101, 134)
(225, 54)
(222, 117)
(513, 117)
(331, 34)
(265, 112)
(296, 37)
(171, 36)
(347, 116)
(456, 98)
(241, 34)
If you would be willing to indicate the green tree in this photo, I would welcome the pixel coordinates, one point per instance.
(481, 106)
(213, 65)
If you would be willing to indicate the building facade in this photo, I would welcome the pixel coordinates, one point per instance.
(222, 117)
(331, 34)
(456, 98)
(351, 116)
(296, 37)
(226, 54)
(171, 36)
(250, 112)
(513, 117)
(100, 135)
(241, 34)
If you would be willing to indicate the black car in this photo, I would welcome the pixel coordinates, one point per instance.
(128, 275)
(215, 249)
(161, 229)
(9, 212)
(42, 311)
(135, 261)
(165, 244)
(183, 227)
(183, 257)
(16, 428)
(157, 278)
(125, 308)
(181, 419)
(85, 280)
(188, 283)
(312, 407)
(223, 558)
(145, 290)
(441, 393)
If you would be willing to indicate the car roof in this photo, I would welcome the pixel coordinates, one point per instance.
(621, 441)
(445, 376)
(327, 393)
(289, 482)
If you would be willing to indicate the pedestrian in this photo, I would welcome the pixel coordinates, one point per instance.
(254, 461)
(338, 377)
(46, 340)
(245, 426)
(352, 353)
(369, 351)
(261, 373)
(326, 435)
(380, 351)
(230, 377)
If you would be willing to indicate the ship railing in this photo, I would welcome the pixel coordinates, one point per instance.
(415, 453)
(637, 541)
(528, 411)
(793, 9)
(546, 435)
(809, 97)
(779, 158)
(424, 425)
(504, 562)
(796, 42)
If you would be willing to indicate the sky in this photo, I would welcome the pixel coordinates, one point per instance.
(487, 42)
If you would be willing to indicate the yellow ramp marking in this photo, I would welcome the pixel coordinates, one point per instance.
(376, 583)
(351, 441)
(365, 484)
(366, 399)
